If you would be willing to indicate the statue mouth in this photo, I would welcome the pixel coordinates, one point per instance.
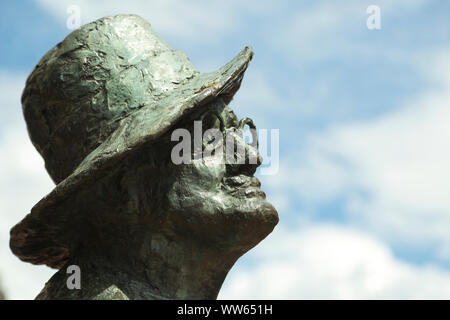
(245, 189)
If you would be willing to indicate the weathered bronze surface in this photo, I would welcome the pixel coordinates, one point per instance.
(100, 108)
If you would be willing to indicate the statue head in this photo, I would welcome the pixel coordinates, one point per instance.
(103, 108)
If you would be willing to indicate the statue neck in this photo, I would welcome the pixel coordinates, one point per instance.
(148, 267)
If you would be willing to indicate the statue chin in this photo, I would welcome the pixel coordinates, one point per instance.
(252, 221)
(241, 225)
(257, 213)
(250, 200)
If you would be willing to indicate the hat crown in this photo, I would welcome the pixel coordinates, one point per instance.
(97, 75)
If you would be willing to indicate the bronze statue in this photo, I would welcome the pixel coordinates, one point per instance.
(101, 108)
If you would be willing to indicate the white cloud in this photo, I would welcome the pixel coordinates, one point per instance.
(196, 20)
(23, 182)
(391, 172)
(258, 99)
(11, 84)
(331, 262)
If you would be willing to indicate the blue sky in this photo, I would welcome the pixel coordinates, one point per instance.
(362, 189)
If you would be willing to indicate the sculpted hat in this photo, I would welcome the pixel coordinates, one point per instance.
(105, 90)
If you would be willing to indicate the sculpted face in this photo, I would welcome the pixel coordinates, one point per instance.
(102, 107)
(216, 201)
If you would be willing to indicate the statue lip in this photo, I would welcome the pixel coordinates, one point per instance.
(242, 180)
(244, 186)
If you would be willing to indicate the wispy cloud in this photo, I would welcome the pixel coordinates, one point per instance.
(319, 30)
(325, 261)
(391, 172)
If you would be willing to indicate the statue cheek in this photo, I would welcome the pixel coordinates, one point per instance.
(209, 171)
(195, 183)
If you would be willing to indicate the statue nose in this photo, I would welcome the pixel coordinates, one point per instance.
(244, 157)
(252, 160)
(249, 122)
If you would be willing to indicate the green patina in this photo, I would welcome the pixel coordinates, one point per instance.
(100, 108)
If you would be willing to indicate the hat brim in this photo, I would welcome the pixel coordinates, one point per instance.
(38, 238)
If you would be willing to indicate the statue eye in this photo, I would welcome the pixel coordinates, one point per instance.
(212, 128)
